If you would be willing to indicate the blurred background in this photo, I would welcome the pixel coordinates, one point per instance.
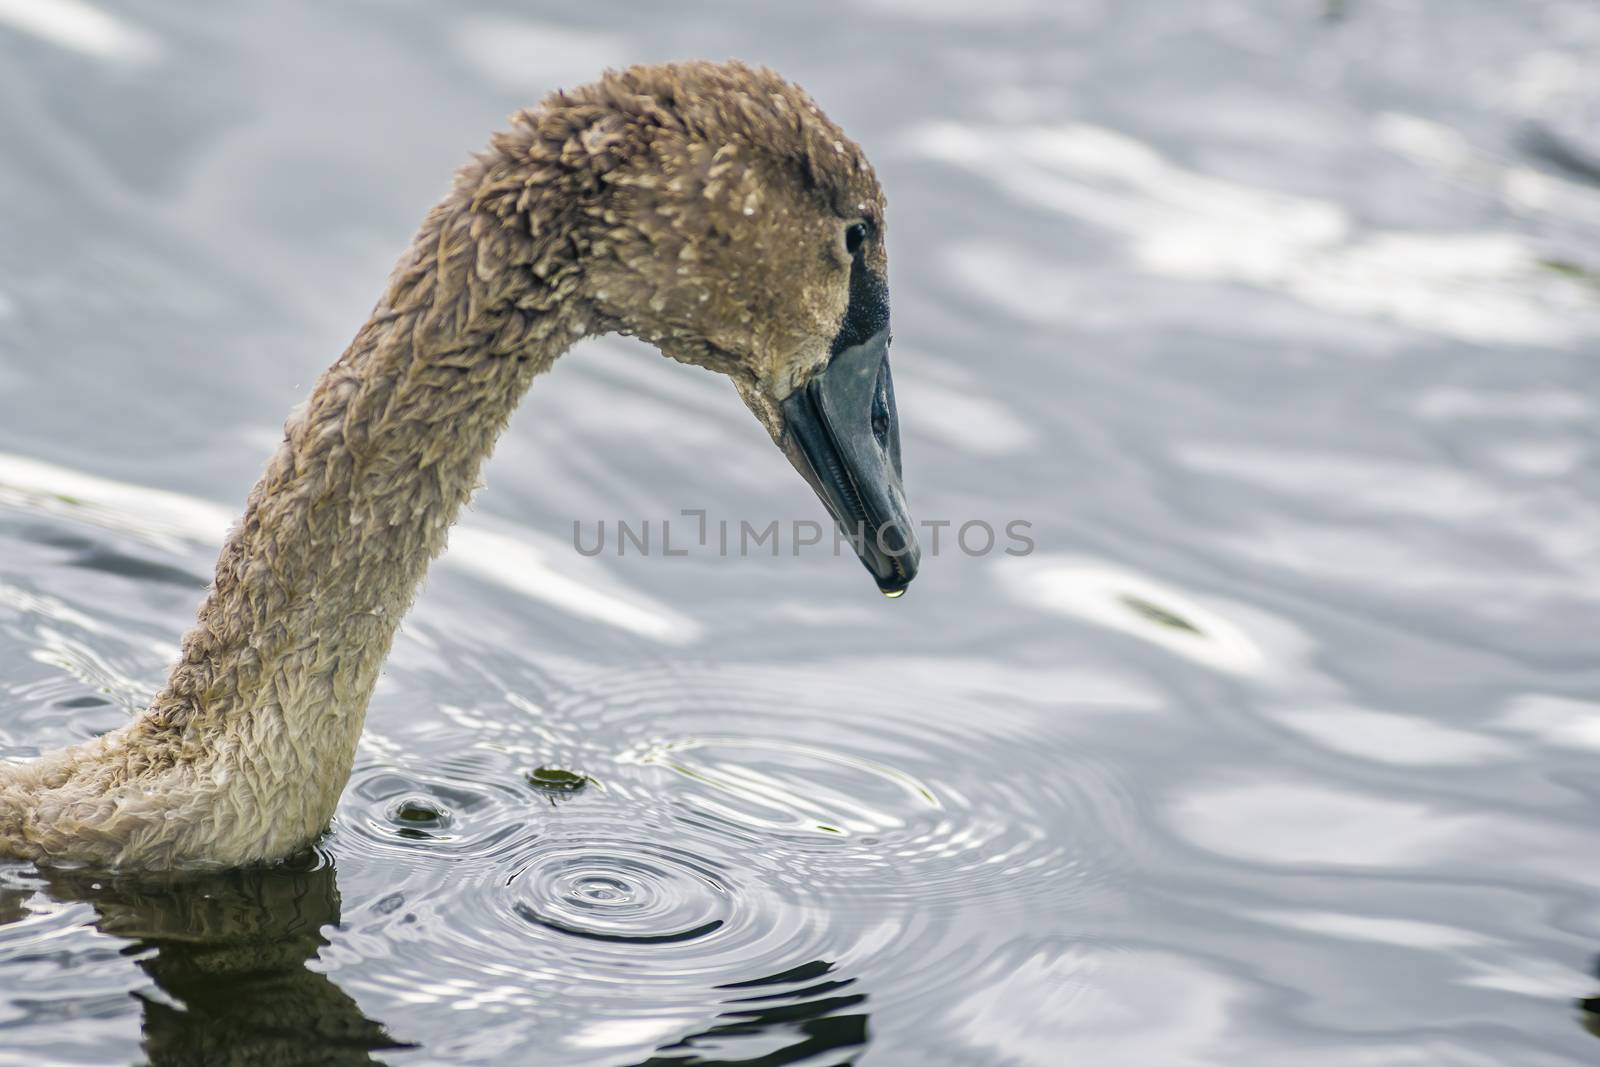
(1276, 320)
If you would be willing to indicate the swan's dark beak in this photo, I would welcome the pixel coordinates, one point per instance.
(842, 435)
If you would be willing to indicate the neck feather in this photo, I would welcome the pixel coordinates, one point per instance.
(273, 680)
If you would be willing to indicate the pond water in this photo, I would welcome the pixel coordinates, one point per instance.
(1277, 323)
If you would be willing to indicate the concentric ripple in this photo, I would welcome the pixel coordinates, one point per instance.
(648, 895)
(882, 807)
(668, 855)
(480, 875)
(450, 808)
(630, 859)
(773, 785)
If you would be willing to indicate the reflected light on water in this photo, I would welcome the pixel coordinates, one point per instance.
(1472, 286)
(1412, 933)
(1405, 740)
(1116, 1005)
(1298, 824)
(82, 27)
(1120, 599)
(530, 57)
(1559, 721)
(523, 563)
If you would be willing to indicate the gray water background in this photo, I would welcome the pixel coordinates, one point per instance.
(1277, 322)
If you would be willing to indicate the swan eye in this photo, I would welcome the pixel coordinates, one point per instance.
(855, 235)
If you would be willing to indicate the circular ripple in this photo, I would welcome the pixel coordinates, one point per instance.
(453, 807)
(648, 895)
(598, 892)
(772, 785)
(933, 796)
(740, 826)
(418, 817)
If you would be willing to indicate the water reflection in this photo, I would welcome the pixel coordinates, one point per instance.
(81, 27)
(1589, 1007)
(521, 560)
(228, 954)
(1550, 146)
(1186, 224)
(761, 1028)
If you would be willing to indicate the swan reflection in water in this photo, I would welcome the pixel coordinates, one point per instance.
(228, 954)
(819, 1018)
(1589, 1007)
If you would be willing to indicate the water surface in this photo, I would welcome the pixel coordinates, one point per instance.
(1276, 321)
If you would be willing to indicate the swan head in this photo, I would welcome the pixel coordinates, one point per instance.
(735, 227)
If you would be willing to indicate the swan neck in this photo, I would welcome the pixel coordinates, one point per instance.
(268, 698)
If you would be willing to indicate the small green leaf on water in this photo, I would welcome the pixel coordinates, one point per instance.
(412, 811)
(1575, 271)
(1159, 614)
(556, 780)
(414, 818)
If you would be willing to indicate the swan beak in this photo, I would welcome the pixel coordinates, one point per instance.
(842, 435)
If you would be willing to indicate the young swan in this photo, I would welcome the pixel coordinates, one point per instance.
(710, 209)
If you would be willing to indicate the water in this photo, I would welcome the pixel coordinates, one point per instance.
(1275, 320)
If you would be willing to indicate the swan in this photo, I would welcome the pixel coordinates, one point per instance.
(710, 209)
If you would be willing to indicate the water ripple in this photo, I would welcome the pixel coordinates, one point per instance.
(634, 894)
